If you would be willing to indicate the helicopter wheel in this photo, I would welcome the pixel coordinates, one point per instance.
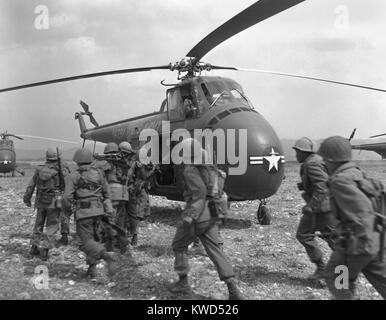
(264, 215)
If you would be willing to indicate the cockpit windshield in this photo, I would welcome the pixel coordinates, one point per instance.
(221, 92)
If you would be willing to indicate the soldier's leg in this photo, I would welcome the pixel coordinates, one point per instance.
(65, 225)
(326, 224)
(340, 287)
(184, 235)
(307, 226)
(120, 221)
(52, 226)
(133, 219)
(38, 231)
(94, 250)
(375, 272)
(209, 236)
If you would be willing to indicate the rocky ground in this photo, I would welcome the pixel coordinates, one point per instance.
(268, 261)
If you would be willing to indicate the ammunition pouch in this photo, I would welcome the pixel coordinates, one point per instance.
(58, 201)
(218, 206)
(88, 207)
(213, 208)
(46, 197)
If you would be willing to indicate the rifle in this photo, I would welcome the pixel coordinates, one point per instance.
(117, 228)
(58, 200)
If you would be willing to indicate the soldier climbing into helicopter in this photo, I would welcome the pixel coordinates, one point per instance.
(116, 173)
(138, 207)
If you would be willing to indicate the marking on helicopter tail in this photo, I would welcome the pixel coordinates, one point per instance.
(6, 161)
(271, 162)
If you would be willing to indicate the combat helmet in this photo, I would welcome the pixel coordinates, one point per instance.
(125, 147)
(83, 156)
(111, 147)
(335, 149)
(197, 154)
(51, 155)
(304, 144)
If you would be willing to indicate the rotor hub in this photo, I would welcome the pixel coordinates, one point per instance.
(190, 65)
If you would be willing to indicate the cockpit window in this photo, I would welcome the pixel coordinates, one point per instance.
(219, 93)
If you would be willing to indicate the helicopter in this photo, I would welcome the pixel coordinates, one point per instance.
(205, 102)
(8, 155)
(379, 147)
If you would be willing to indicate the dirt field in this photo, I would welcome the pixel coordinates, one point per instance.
(268, 261)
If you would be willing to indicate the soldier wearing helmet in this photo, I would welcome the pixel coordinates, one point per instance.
(357, 245)
(316, 214)
(138, 205)
(115, 170)
(88, 190)
(46, 182)
(201, 192)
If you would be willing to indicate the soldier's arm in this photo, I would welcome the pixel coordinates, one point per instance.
(318, 177)
(351, 202)
(30, 189)
(105, 187)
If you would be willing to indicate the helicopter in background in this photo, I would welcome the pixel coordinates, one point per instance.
(8, 154)
(206, 102)
(379, 147)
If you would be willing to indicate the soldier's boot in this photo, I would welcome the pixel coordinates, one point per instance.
(111, 260)
(44, 254)
(319, 272)
(233, 290)
(64, 239)
(134, 240)
(180, 286)
(34, 250)
(92, 271)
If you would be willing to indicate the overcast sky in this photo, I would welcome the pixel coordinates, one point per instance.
(97, 35)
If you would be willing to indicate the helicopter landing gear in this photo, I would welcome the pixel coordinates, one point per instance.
(264, 213)
(13, 173)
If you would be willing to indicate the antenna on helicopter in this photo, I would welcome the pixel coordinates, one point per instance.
(352, 134)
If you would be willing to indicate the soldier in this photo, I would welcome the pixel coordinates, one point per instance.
(316, 213)
(117, 178)
(46, 181)
(134, 190)
(357, 246)
(87, 186)
(198, 221)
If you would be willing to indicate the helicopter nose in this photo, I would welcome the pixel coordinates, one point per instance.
(263, 157)
(6, 160)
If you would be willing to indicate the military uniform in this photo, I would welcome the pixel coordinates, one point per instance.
(358, 244)
(138, 205)
(46, 181)
(317, 214)
(117, 178)
(197, 221)
(88, 187)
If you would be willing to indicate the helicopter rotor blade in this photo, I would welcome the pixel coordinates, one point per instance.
(293, 75)
(378, 135)
(85, 106)
(12, 135)
(255, 13)
(49, 139)
(352, 134)
(84, 76)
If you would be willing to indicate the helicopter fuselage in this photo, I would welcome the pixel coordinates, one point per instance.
(7, 156)
(244, 143)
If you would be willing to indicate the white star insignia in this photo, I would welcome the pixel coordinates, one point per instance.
(6, 161)
(273, 160)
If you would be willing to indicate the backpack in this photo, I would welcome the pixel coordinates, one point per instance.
(47, 178)
(375, 191)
